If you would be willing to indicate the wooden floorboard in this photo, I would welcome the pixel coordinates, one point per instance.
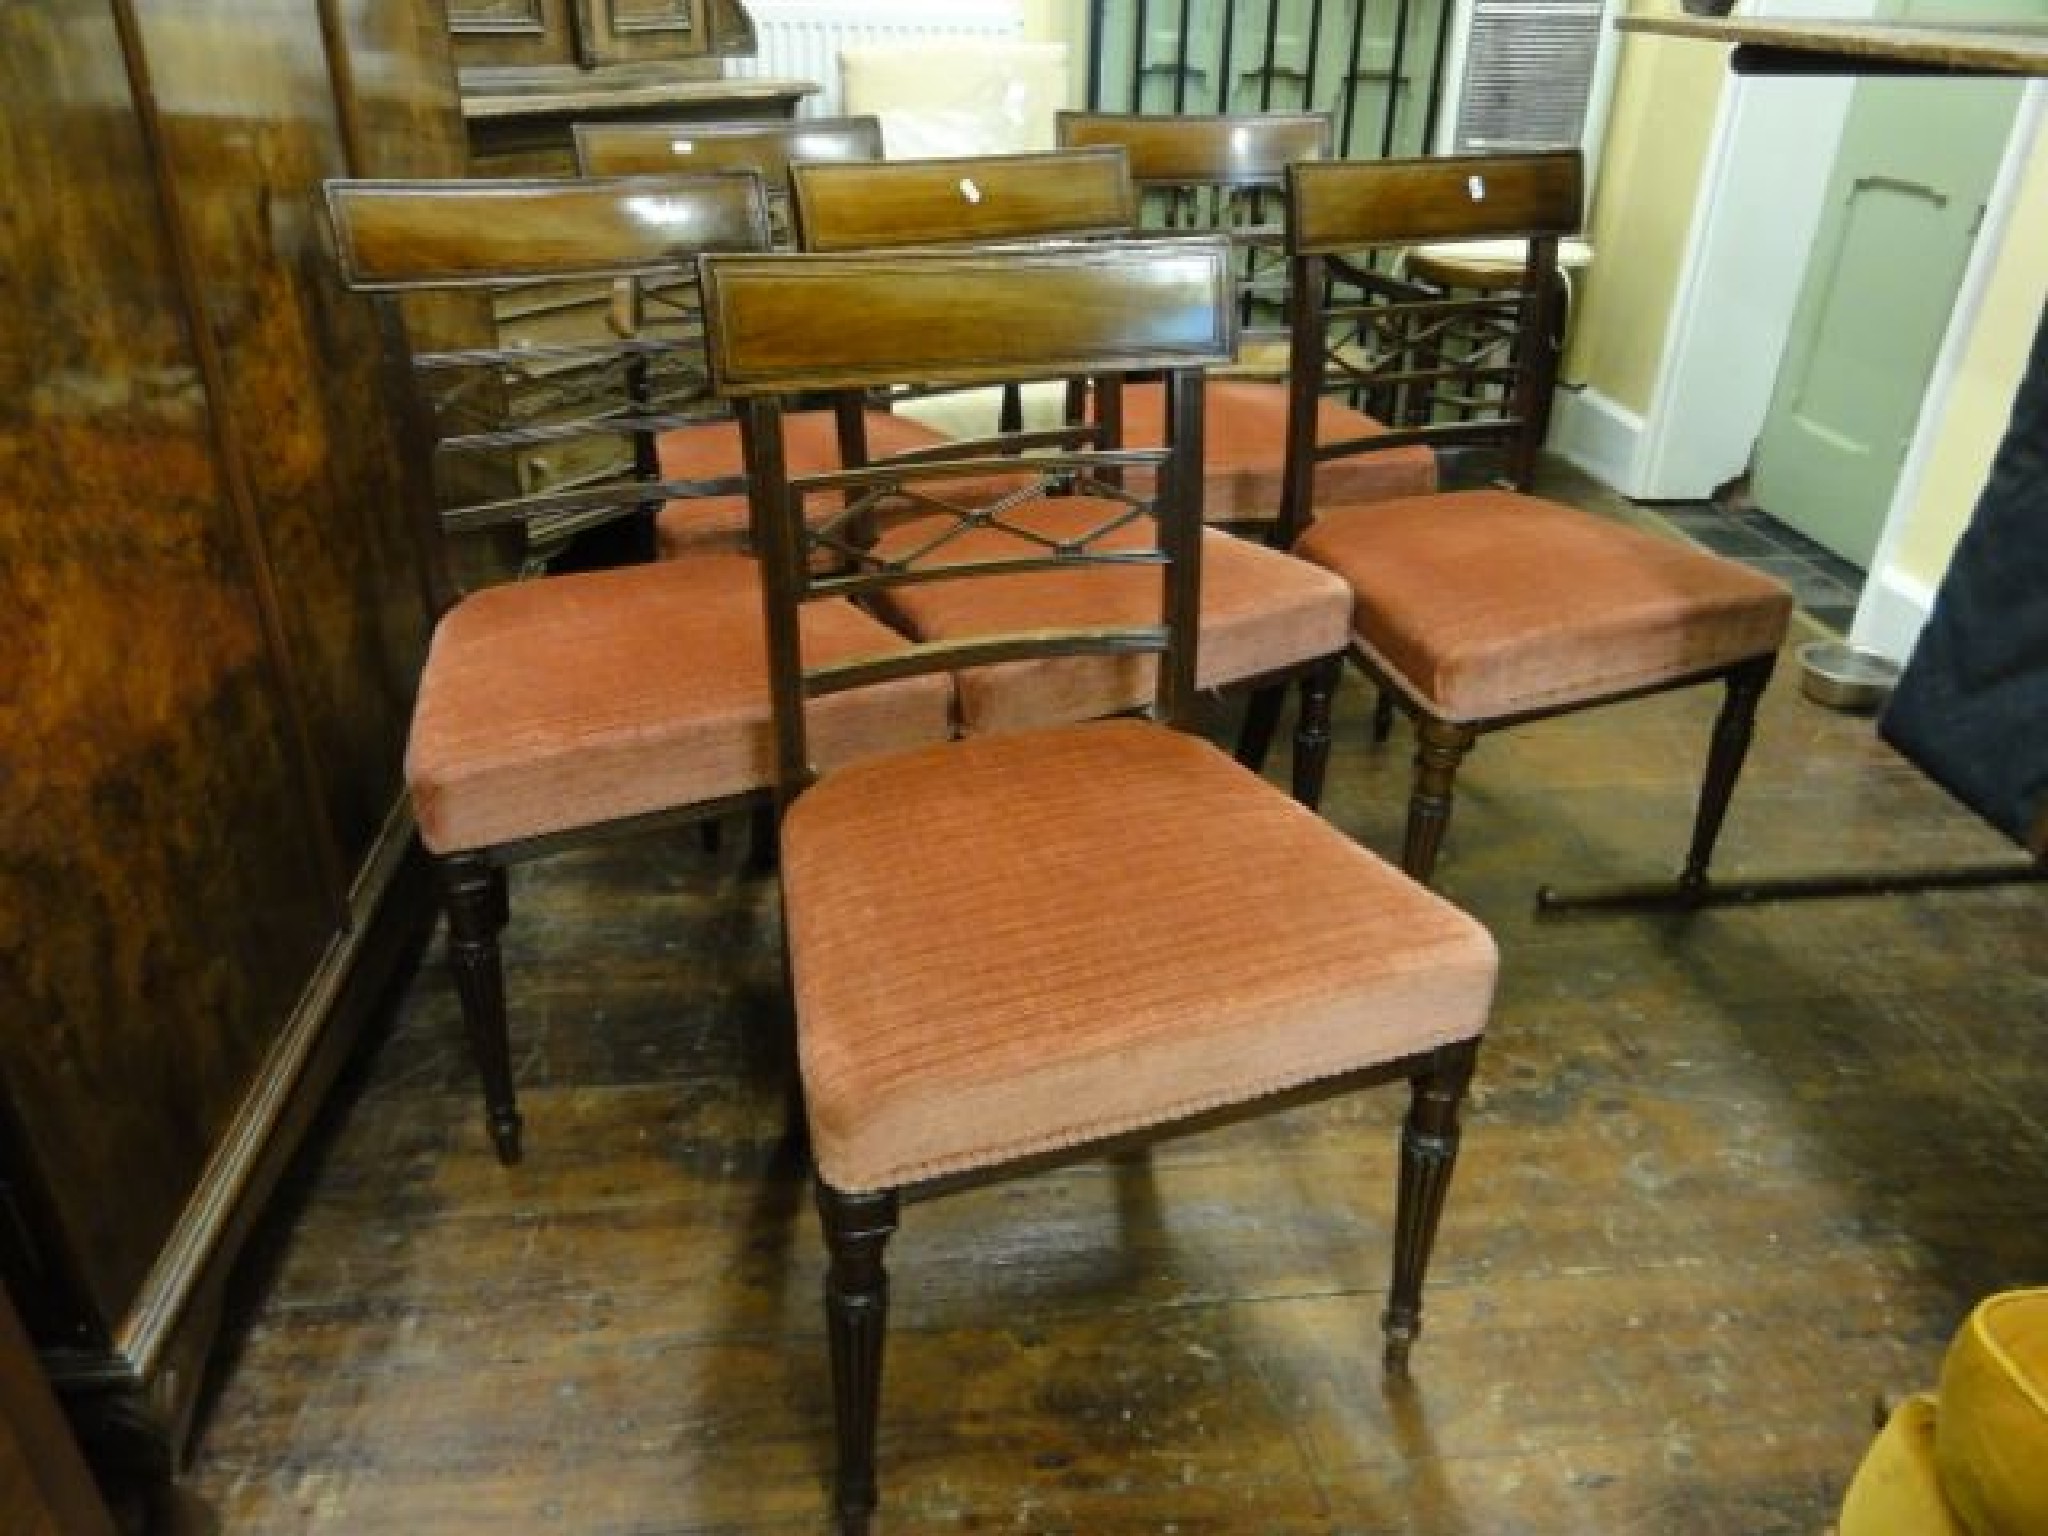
(1727, 1178)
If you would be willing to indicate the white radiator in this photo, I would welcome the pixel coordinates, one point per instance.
(801, 39)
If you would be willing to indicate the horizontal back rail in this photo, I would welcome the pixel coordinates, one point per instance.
(398, 235)
(767, 148)
(785, 324)
(1341, 205)
(1228, 150)
(983, 199)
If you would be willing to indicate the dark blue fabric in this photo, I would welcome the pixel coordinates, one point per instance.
(1971, 709)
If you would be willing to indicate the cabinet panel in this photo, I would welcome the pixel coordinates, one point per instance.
(523, 34)
(251, 129)
(616, 31)
(148, 941)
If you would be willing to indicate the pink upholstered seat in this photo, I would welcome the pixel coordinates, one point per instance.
(1262, 612)
(582, 699)
(956, 1013)
(699, 524)
(1486, 608)
(1244, 459)
(1484, 604)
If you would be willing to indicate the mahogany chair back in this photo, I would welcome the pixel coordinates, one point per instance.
(972, 200)
(1444, 370)
(766, 148)
(397, 239)
(783, 327)
(967, 200)
(1224, 173)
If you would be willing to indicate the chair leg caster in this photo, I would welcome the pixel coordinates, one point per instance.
(1399, 1334)
(505, 1129)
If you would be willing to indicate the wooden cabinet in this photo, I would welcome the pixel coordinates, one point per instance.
(216, 619)
(583, 34)
(530, 68)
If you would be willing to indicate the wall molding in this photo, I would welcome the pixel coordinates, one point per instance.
(1891, 613)
(1598, 435)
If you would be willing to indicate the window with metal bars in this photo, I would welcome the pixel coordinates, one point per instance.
(1376, 66)
(1398, 77)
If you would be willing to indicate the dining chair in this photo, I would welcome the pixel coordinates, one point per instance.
(1013, 950)
(1484, 608)
(1267, 618)
(558, 708)
(707, 449)
(1225, 173)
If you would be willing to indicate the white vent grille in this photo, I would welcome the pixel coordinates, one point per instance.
(801, 39)
(1528, 76)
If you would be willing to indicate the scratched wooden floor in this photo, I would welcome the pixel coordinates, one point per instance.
(1726, 1179)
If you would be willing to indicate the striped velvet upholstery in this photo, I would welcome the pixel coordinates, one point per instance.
(1486, 603)
(1134, 929)
(555, 704)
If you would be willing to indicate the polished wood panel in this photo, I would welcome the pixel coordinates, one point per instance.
(407, 234)
(296, 358)
(1239, 149)
(1416, 200)
(1726, 1179)
(635, 149)
(163, 946)
(1073, 194)
(858, 318)
(202, 530)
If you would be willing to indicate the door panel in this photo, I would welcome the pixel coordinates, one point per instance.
(1902, 210)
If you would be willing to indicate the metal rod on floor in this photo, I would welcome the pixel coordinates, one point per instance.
(1671, 896)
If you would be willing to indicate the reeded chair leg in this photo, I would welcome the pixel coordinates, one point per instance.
(857, 1229)
(1261, 720)
(1382, 714)
(1440, 749)
(1312, 731)
(473, 892)
(1429, 1152)
(1733, 728)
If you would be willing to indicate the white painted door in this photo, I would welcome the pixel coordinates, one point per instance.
(1903, 206)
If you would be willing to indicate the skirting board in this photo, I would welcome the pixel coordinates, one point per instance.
(1604, 439)
(1891, 613)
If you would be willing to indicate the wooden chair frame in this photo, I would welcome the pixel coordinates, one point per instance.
(1361, 330)
(761, 313)
(399, 241)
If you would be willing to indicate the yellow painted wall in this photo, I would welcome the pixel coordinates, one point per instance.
(1976, 411)
(1666, 94)
(1063, 21)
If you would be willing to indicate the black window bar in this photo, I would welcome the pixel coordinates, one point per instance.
(1376, 66)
